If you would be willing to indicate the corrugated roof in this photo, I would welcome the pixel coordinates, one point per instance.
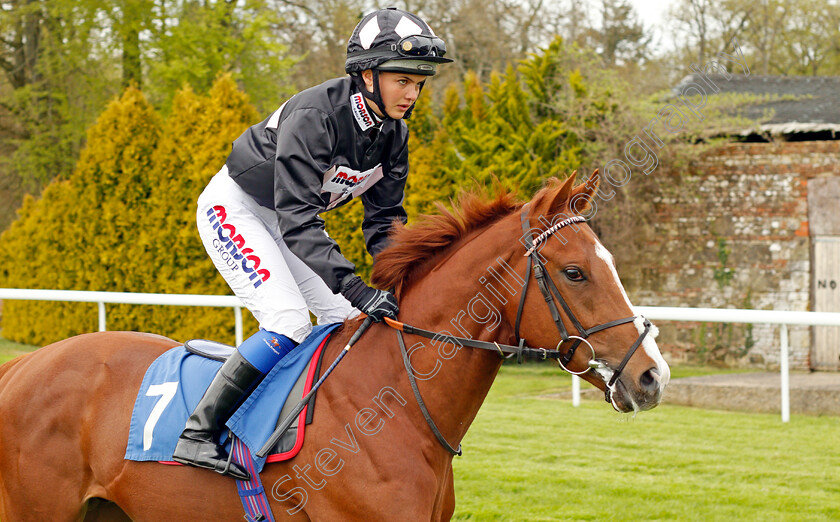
(811, 104)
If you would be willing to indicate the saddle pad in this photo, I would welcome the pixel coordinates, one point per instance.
(176, 381)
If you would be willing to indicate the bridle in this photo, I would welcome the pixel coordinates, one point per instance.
(550, 292)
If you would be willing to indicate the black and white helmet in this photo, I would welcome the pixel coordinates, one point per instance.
(394, 40)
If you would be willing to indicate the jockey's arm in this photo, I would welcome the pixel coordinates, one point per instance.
(384, 202)
(298, 173)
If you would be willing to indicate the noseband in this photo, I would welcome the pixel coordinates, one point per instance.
(550, 292)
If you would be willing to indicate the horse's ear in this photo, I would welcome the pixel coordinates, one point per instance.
(588, 190)
(554, 198)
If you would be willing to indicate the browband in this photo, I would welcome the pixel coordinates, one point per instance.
(547, 232)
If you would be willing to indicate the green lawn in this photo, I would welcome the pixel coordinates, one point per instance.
(531, 458)
(9, 350)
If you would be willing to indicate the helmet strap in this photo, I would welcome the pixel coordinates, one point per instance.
(375, 96)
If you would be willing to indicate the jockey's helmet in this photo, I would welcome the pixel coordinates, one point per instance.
(394, 40)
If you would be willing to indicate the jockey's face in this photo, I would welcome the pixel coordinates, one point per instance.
(399, 91)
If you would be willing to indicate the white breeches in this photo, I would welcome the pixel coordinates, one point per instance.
(243, 239)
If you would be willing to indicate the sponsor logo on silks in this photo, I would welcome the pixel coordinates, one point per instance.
(344, 182)
(363, 115)
(231, 247)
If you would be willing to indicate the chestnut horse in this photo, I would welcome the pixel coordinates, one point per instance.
(370, 454)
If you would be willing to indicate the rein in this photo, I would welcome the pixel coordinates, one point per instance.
(550, 292)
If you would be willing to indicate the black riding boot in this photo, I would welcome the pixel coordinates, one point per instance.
(199, 443)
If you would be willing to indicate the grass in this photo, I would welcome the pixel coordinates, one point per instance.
(530, 458)
(9, 350)
(540, 378)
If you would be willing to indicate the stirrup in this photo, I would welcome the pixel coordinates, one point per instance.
(229, 461)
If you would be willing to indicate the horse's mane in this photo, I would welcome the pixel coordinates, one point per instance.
(414, 250)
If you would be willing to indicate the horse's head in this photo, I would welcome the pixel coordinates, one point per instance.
(555, 285)
(580, 303)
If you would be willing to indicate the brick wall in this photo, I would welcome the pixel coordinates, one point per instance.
(732, 231)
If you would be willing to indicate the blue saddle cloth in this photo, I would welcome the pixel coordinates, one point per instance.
(176, 381)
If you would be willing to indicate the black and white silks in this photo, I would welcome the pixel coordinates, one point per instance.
(320, 149)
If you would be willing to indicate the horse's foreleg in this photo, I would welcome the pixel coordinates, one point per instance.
(445, 505)
(103, 511)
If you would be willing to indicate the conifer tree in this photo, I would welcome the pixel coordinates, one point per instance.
(81, 234)
(507, 129)
(432, 158)
(193, 147)
(124, 221)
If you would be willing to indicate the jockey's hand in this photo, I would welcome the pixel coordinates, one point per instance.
(375, 303)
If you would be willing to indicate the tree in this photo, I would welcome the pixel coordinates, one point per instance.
(128, 19)
(64, 59)
(794, 37)
(621, 36)
(66, 239)
(811, 37)
(766, 31)
(193, 147)
(487, 35)
(219, 36)
(315, 33)
(124, 220)
(45, 51)
(534, 121)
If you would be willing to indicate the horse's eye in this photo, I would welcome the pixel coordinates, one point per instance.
(573, 274)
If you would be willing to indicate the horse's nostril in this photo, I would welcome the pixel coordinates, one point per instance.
(649, 380)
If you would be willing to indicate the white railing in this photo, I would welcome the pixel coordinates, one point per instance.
(734, 315)
(101, 298)
(714, 315)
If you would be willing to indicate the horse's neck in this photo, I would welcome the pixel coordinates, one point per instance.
(455, 298)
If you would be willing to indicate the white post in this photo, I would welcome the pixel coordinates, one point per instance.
(575, 391)
(238, 315)
(783, 363)
(101, 316)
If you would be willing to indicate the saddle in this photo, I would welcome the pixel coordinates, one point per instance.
(285, 447)
(175, 382)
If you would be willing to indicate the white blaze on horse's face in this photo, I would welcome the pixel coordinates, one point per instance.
(649, 343)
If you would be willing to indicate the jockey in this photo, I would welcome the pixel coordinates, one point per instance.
(259, 216)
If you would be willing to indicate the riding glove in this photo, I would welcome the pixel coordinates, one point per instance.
(375, 303)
